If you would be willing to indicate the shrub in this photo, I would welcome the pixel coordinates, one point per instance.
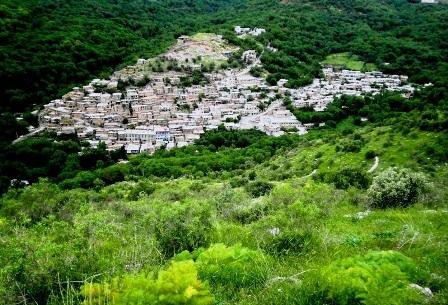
(197, 186)
(35, 202)
(349, 146)
(396, 187)
(345, 178)
(178, 284)
(235, 204)
(349, 176)
(247, 212)
(370, 154)
(235, 266)
(142, 188)
(238, 181)
(283, 194)
(252, 175)
(259, 188)
(290, 242)
(182, 226)
(376, 278)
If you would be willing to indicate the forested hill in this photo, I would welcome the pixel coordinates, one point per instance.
(48, 46)
(353, 212)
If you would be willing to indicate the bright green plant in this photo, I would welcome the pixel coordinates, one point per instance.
(182, 226)
(283, 194)
(373, 279)
(346, 177)
(235, 266)
(178, 284)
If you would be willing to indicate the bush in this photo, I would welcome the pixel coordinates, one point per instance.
(259, 188)
(283, 194)
(396, 187)
(238, 181)
(235, 266)
(35, 202)
(350, 177)
(349, 146)
(376, 278)
(370, 154)
(178, 284)
(182, 226)
(290, 242)
(345, 178)
(247, 212)
(142, 188)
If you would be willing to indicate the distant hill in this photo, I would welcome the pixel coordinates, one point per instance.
(49, 46)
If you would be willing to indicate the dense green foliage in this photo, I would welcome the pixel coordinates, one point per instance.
(238, 217)
(178, 284)
(217, 152)
(376, 278)
(346, 177)
(182, 226)
(431, 104)
(278, 248)
(232, 266)
(58, 158)
(396, 187)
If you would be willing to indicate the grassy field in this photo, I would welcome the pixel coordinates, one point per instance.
(349, 61)
(325, 152)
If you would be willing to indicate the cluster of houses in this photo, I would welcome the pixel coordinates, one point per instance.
(346, 82)
(163, 112)
(240, 31)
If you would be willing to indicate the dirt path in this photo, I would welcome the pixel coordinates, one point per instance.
(310, 174)
(375, 165)
(21, 138)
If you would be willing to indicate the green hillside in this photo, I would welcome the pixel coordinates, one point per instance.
(353, 212)
(248, 220)
(49, 46)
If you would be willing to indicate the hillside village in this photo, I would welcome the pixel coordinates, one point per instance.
(159, 103)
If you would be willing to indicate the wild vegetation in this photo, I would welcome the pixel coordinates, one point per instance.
(262, 232)
(67, 43)
(354, 212)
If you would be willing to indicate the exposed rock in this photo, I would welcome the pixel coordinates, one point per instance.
(424, 290)
(274, 231)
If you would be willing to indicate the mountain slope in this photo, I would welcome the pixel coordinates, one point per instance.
(302, 211)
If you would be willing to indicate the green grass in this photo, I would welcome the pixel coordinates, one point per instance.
(111, 232)
(320, 152)
(349, 61)
(203, 36)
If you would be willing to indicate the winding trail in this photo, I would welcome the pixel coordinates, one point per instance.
(21, 138)
(375, 165)
(310, 174)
